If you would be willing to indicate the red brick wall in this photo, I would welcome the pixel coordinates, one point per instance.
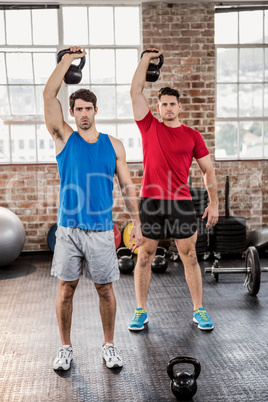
(186, 34)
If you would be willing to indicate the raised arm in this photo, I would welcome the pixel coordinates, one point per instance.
(128, 192)
(209, 177)
(54, 119)
(139, 103)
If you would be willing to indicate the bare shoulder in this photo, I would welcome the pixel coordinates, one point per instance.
(118, 146)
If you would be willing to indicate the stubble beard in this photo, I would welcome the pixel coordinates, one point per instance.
(85, 126)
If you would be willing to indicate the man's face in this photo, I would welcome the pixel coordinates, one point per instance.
(84, 114)
(168, 107)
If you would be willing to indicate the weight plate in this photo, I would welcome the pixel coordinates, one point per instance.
(200, 205)
(126, 235)
(228, 240)
(228, 232)
(201, 250)
(201, 243)
(202, 234)
(202, 240)
(232, 219)
(228, 250)
(229, 245)
(199, 198)
(253, 277)
(198, 190)
(117, 236)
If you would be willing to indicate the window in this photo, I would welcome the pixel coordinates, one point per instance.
(28, 57)
(241, 127)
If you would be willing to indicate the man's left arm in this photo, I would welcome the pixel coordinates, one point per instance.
(212, 210)
(128, 192)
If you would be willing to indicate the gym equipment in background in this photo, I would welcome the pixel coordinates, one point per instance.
(200, 201)
(125, 260)
(229, 235)
(12, 236)
(153, 72)
(117, 236)
(182, 384)
(252, 270)
(74, 73)
(160, 264)
(259, 238)
(126, 234)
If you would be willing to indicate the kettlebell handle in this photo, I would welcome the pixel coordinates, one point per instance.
(183, 359)
(64, 51)
(160, 59)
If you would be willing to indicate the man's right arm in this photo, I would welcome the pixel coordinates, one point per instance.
(54, 119)
(139, 103)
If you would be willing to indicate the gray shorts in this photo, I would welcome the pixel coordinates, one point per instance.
(94, 249)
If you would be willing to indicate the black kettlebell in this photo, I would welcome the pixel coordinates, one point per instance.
(183, 385)
(153, 71)
(125, 260)
(159, 264)
(74, 74)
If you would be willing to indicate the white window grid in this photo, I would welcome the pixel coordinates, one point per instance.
(38, 119)
(237, 120)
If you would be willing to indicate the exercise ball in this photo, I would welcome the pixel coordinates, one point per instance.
(12, 236)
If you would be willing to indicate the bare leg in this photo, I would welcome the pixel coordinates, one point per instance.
(186, 249)
(64, 309)
(142, 273)
(107, 306)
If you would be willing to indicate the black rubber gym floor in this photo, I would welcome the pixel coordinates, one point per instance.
(233, 356)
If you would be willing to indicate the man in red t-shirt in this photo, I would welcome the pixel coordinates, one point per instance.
(166, 207)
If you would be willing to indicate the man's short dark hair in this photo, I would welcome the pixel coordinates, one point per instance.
(84, 94)
(168, 91)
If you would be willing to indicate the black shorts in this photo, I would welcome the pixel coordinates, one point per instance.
(167, 218)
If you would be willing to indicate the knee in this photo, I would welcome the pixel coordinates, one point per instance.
(105, 291)
(145, 258)
(189, 257)
(66, 293)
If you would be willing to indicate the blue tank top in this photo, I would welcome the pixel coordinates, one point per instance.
(86, 189)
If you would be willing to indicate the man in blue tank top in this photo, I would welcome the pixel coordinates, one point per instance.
(87, 161)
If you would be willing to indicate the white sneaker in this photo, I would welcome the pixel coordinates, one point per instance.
(111, 356)
(64, 358)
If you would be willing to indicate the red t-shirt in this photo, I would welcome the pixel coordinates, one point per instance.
(167, 157)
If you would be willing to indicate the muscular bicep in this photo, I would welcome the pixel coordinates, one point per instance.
(140, 106)
(54, 119)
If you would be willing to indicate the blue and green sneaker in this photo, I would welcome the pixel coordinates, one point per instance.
(138, 320)
(201, 317)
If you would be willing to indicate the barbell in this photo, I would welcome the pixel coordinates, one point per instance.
(252, 271)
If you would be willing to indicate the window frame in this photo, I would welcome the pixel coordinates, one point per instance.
(63, 93)
(240, 119)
